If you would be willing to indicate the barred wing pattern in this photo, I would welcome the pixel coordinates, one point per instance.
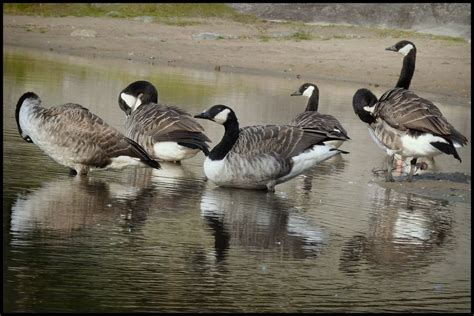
(283, 140)
(151, 123)
(404, 110)
(324, 123)
(93, 141)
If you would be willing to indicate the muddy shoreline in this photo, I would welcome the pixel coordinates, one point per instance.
(443, 67)
(452, 187)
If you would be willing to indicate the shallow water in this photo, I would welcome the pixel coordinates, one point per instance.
(165, 240)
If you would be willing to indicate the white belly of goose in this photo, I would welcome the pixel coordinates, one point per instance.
(123, 161)
(420, 146)
(172, 151)
(257, 173)
(309, 159)
(242, 173)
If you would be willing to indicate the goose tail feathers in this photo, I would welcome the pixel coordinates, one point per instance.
(140, 153)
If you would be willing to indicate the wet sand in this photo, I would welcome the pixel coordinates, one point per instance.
(453, 187)
(443, 66)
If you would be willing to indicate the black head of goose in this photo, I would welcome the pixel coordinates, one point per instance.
(403, 124)
(74, 137)
(311, 91)
(135, 94)
(261, 156)
(311, 118)
(168, 133)
(408, 50)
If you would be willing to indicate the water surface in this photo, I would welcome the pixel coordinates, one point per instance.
(139, 240)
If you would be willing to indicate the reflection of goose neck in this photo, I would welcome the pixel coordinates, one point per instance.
(408, 69)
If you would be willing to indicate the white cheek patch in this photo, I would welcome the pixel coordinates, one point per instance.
(369, 109)
(138, 102)
(308, 92)
(129, 99)
(405, 49)
(221, 118)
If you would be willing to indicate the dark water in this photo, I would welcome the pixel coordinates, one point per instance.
(166, 240)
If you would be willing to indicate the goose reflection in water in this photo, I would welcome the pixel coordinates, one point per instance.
(401, 167)
(72, 203)
(175, 188)
(174, 175)
(69, 204)
(256, 221)
(405, 232)
(328, 169)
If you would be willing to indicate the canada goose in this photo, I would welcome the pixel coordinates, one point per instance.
(76, 138)
(402, 123)
(311, 118)
(166, 132)
(259, 157)
(408, 50)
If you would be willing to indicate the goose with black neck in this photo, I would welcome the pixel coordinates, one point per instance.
(261, 156)
(312, 119)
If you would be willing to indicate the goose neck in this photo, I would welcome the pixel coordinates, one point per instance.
(231, 135)
(407, 71)
(313, 101)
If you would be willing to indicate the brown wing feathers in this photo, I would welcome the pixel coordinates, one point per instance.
(167, 123)
(404, 110)
(98, 141)
(284, 140)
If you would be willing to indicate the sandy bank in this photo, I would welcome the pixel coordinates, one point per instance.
(443, 66)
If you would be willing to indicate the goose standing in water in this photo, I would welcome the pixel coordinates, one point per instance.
(404, 124)
(166, 132)
(312, 119)
(76, 138)
(408, 50)
(260, 157)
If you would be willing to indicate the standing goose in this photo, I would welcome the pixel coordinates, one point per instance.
(408, 50)
(76, 138)
(260, 157)
(312, 119)
(402, 123)
(166, 132)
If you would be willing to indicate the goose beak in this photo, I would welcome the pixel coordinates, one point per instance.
(296, 93)
(391, 48)
(203, 115)
(125, 107)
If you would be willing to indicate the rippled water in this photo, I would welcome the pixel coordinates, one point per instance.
(166, 240)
